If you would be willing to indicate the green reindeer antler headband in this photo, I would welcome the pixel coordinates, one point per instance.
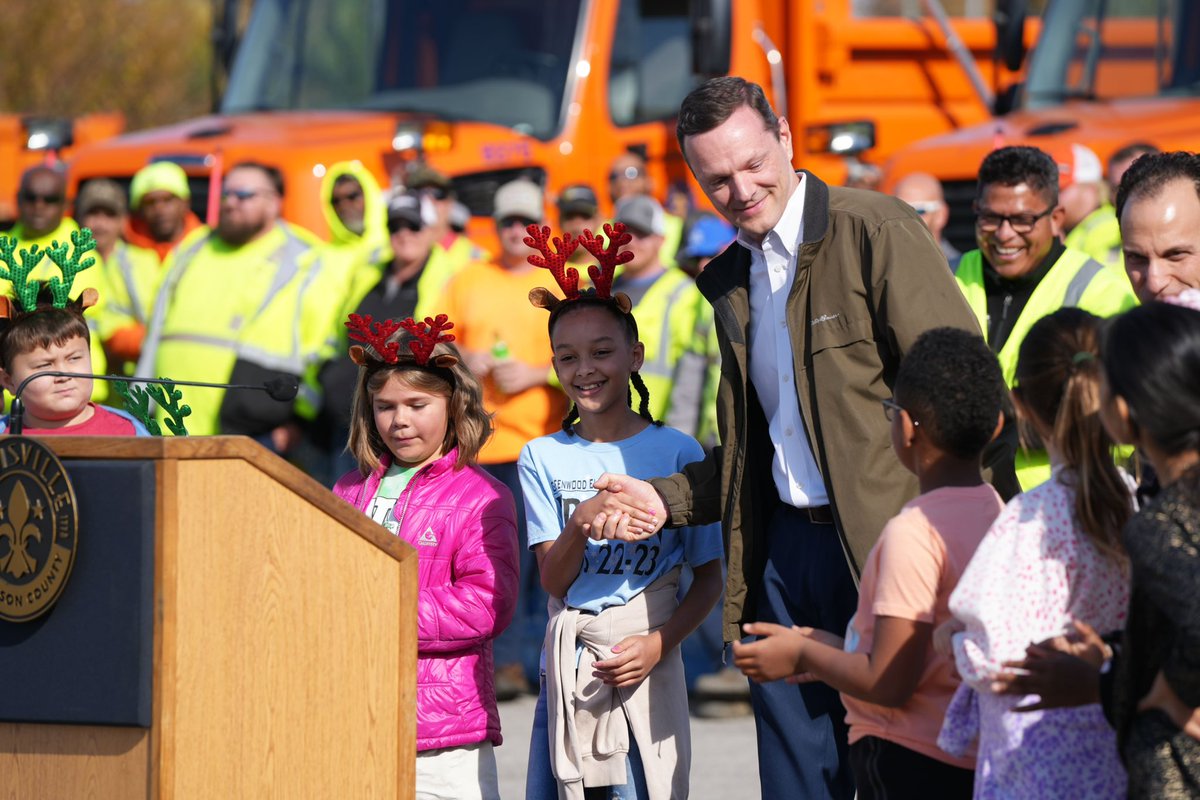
(70, 262)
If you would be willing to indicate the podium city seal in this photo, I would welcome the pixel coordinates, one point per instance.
(39, 525)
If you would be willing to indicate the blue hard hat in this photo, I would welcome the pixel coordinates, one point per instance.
(707, 237)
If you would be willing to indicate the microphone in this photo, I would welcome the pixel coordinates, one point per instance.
(282, 388)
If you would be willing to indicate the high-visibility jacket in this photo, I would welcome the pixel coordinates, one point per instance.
(1075, 280)
(339, 287)
(672, 239)
(220, 305)
(1099, 236)
(668, 316)
(373, 243)
(92, 278)
(131, 275)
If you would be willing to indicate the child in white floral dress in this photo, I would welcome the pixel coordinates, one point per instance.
(1051, 558)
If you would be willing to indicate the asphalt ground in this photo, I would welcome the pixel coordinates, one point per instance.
(724, 754)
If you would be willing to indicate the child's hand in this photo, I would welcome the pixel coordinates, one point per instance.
(776, 654)
(1060, 680)
(632, 660)
(943, 637)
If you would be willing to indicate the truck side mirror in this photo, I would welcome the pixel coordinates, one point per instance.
(710, 29)
(1010, 32)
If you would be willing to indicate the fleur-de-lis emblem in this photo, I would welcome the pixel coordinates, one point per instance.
(18, 531)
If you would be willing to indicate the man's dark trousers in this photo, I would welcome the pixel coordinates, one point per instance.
(802, 734)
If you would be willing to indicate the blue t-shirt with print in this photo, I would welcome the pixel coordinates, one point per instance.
(557, 473)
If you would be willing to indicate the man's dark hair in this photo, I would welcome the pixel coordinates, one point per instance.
(273, 174)
(1152, 358)
(950, 382)
(344, 178)
(1130, 150)
(715, 100)
(1150, 173)
(1010, 166)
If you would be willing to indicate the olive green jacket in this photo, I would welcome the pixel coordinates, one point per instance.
(869, 280)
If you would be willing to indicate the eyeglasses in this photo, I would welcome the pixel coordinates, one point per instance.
(34, 197)
(629, 174)
(351, 197)
(524, 222)
(891, 408)
(1021, 223)
(241, 195)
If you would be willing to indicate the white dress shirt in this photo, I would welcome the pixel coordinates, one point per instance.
(772, 269)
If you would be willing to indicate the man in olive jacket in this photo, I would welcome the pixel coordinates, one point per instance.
(816, 303)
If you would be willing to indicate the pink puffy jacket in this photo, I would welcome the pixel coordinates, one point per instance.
(463, 526)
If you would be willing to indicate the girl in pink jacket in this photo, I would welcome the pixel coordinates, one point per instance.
(418, 423)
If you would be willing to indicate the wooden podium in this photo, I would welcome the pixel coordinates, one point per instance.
(263, 640)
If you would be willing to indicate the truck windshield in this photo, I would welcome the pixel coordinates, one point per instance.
(500, 61)
(1110, 49)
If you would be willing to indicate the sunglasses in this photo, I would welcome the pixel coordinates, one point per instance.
(352, 197)
(524, 222)
(434, 192)
(923, 207)
(241, 195)
(34, 197)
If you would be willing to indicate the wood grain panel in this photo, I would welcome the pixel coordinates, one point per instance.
(287, 645)
(73, 761)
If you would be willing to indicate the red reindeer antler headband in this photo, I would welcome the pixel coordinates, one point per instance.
(567, 278)
(425, 336)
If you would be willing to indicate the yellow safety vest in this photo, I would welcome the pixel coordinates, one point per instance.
(668, 317)
(1075, 280)
(219, 304)
(1099, 235)
(339, 287)
(132, 275)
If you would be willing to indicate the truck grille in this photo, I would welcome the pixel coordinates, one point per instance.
(477, 189)
(960, 197)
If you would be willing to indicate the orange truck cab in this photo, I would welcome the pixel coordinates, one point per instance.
(27, 140)
(1102, 74)
(489, 90)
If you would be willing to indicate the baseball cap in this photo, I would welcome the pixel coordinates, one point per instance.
(519, 198)
(578, 199)
(423, 176)
(407, 207)
(100, 193)
(708, 236)
(1076, 164)
(642, 213)
(161, 176)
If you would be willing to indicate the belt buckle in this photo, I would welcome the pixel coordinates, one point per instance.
(820, 515)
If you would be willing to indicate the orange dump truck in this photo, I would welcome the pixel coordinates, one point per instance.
(27, 140)
(1103, 74)
(488, 90)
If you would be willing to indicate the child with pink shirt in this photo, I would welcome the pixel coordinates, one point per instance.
(896, 688)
